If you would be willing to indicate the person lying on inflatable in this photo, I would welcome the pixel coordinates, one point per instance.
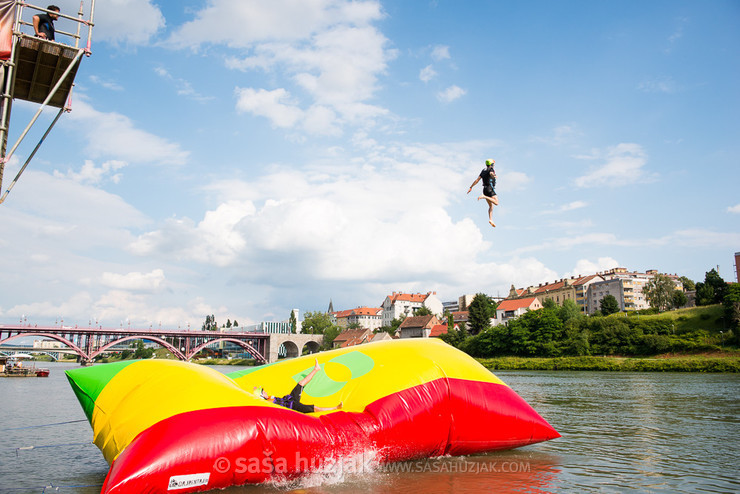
(293, 400)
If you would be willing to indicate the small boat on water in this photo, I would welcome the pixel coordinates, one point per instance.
(15, 366)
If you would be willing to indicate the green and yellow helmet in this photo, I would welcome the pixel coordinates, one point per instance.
(490, 162)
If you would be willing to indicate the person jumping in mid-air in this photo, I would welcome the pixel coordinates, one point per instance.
(489, 182)
(293, 400)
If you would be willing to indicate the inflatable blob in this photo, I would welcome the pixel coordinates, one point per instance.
(166, 425)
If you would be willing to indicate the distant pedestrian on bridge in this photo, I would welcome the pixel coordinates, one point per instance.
(293, 400)
(43, 24)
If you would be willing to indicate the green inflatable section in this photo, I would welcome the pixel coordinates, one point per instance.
(88, 382)
(322, 385)
(241, 373)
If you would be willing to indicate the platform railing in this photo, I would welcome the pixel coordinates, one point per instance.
(10, 70)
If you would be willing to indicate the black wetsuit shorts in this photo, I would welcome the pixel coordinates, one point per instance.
(296, 402)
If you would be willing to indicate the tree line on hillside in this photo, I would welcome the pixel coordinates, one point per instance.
(565, 331)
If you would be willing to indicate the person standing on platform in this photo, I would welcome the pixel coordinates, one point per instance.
(43, 24)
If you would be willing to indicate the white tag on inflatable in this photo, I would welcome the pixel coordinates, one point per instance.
(186, 481)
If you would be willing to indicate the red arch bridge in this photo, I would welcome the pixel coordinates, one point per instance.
(88, 343)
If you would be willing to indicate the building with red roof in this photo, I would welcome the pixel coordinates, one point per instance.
(512, 308)
(366, 317)
(353, 337)
(398, 305)
(418, 326)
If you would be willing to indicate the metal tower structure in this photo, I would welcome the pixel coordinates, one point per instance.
(36, 70)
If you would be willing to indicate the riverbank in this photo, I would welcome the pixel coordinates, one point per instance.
(713, 362)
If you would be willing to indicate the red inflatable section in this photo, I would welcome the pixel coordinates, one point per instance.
(255, 444)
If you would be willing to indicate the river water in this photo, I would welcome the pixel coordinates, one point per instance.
(622, 432)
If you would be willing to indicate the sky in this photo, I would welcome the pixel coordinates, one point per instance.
(242, 158)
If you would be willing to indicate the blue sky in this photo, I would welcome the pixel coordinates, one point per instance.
(242, 158)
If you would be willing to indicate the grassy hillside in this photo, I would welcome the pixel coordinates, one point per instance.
(708, 318)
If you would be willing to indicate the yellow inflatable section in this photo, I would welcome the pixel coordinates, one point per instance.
(163, 423)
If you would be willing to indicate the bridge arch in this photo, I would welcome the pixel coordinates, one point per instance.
(291, 349)
(249, 348)
(177, 353)
(311, 346)
(79, 351)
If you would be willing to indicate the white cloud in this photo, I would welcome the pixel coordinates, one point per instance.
(571, 241)
(734, 209)
(699, 237)
(214, 240)
(658, 85)
(90, 174)
(328, 48)
(132, 22)
(624, 166)
(514, 180)
(330, 225)
(677, 34)
(567, 207)
(585, 267)
(427, 73)
(115, 136)
(441, 52)
(134, 281)
(561, 135)
(244, 23)
(573, 205)
(108, 84)
(277, 105)
(451, 94)
(182, 87)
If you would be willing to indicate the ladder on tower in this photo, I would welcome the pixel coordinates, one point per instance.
(35, 70)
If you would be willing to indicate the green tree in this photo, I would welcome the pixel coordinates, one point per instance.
(688, 285)
(423, 311)
(329, 335)
(731, 304)
(658, 291)
(142, 352)
(609, 305)
(293, 322)
(454, 337)
(391, 330)
(610, 336)
(316, 323)
(712, 290)
(228, 323)
(569, 310)
(236, 324)
(576, 339)
(679, 299)
(210, 324)
(354, 325)
(481, 310)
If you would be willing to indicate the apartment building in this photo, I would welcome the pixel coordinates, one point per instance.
(399, 305)
(574, 288)
(626, 286)
(366, 317)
